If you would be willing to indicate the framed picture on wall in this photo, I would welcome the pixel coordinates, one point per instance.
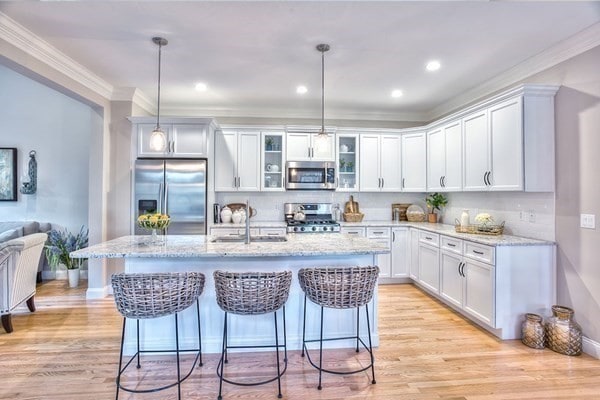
(8, 174)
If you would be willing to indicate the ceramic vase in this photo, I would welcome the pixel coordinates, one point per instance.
(73, 275)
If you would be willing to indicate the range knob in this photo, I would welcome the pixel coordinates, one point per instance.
(295, 229)
(314, 228)
(325, 229)
(302, 228)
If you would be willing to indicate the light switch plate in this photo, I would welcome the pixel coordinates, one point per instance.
(588, 221)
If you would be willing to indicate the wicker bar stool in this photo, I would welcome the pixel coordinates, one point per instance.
(341, 288)
(252, 293)
(152, 295)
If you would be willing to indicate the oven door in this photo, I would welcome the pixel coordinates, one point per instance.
(310, 175)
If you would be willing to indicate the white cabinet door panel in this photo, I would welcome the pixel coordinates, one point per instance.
(248, 165)
(369, 163)
(476, 151)
(436, 159)
(298, 147)
(400, 252)
(506, 130)
(414, 254)
(391, 163)
(384, 260)
(225, 161)
(451, 287)
(189, 140)
(479, 291)
(454, 157)
(323, 149)
(429, 267)
(414, 162)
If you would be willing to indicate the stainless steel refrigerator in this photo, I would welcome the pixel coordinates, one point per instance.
(174, 187)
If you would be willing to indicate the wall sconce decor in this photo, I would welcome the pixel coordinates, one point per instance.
(29, 183)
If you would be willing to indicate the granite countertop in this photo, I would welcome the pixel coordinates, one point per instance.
(253, 224)
(442, 229)
(314, 244)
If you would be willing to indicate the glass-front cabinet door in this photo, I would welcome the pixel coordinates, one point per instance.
(273, 162)
(347, 166)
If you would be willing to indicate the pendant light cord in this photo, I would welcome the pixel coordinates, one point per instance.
(322, 91)
(158, 108)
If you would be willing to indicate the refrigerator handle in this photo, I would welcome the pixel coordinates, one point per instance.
(160, 197)
(166, 210)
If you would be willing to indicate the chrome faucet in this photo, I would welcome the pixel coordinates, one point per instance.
(247, 233)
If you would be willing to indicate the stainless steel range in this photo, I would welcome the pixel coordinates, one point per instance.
(317, 217)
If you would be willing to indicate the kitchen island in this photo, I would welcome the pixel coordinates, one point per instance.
(200, 253)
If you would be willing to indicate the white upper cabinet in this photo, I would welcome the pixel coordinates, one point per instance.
(303, 146)
(476, 143)
(348, 165)
(493, 141)
(273, 163)
(509, 145)
(237, 161)
(414, 155)
(183, 140)
(380, 167)
(444, 158)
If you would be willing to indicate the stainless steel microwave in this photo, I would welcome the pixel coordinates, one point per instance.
(310, 175)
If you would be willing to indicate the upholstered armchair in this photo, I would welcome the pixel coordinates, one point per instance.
(19, 259)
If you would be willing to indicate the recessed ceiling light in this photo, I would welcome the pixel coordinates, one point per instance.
(433, 65)
(301, 89)
(201, 87)
(397, 93)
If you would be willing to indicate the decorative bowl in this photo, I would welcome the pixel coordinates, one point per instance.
(153, 221)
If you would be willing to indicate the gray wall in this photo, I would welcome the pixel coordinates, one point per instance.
(58, 128)
(578, 184)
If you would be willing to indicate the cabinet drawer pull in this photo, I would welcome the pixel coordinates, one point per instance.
(378, 233)
(272, 234)
(352, 233)
(441, 184)
(428, 238)
(451, 245)
(478, 252)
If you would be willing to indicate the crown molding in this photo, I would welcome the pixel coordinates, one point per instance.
(32, 45)
(577, 44)
(294, 113)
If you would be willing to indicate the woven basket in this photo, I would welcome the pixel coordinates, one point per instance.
(353, 217)
(491, 230)
(415, 217)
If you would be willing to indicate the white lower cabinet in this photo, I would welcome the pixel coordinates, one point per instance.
(429, 267)
(492, 285)
(414, 254)
(400, 252)
(467, 284)
(384, 261)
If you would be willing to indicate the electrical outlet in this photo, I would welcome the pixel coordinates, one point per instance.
(531, 215)
(587, 221)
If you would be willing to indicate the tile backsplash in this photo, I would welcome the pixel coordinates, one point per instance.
(525, 214)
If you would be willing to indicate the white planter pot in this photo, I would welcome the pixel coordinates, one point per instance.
(73, 277)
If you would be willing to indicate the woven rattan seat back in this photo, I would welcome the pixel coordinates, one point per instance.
(153, 295)
(250, 293)
(346, 287)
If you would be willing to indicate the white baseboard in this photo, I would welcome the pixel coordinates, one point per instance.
(591, 347)
(97, 293)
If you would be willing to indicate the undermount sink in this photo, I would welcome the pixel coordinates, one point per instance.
(241, 239)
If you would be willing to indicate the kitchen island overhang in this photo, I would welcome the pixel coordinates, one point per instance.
(199, 253)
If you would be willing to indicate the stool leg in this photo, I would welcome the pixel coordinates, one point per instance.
(277, 352)
(321, 351)
(120, 359)
(304, 327)
(199, 332)
(177, 354)
(222, 362)
(357, 326)
(137, 326)
(370, 345)
(284, 338)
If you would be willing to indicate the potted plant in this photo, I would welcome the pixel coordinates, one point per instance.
(342, 165)
(269, 143)
(62, 242)
(350, 166)
(435, 201)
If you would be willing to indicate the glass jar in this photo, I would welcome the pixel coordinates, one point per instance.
(532, 331)
(563, 335)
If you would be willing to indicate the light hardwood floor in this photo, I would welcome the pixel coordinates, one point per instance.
(68, 349)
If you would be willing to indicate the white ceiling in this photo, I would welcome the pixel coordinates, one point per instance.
(254, 54)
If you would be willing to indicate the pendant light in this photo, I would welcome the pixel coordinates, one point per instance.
(322, 137)
(158, 139)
